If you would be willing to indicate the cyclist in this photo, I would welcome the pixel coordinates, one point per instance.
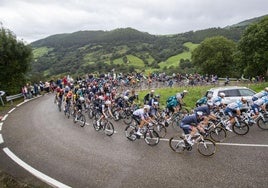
(142, 117)
(203, 100)
(105, 106)
(154, 99)
(148, 96)
(180, 97)
(260, 94)
(191, 124)
(259, 104)
(234, 109)
(206, 109)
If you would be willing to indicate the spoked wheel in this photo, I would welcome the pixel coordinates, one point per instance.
(176, 124)
(241, 129)
(218, 134)
(116, 115)
(128, 120)
(90, 113)
(82, 120)
(151, 138)
(95, 125)
(109, 128)
(177, 144)
(130, 132)
(206, 147)
(161, 130)
(263, 124)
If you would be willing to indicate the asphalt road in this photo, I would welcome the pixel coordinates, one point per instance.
(81, 157)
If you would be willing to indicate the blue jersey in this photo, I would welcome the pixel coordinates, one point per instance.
(205, 109)
(191, 119)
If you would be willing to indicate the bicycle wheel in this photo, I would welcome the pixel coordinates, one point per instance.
(177, 144)
(263, 124)
(151, 137)
(109, 128)
(206, 147)
(130, 132)
(240, 129)
(161, 130)
(116, 115)
(82, 120)
(95, 125)
(128, 120)
(90, 113)
(218, 134)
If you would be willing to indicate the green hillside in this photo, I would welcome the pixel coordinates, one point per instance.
(125, 49)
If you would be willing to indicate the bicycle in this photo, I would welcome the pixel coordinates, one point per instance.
(79, 117)
(216, 131)
(205, 146)
(150, 136)
(262, 120)
(104, 125)
(240, 127)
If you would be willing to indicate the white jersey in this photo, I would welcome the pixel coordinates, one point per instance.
(140, 112)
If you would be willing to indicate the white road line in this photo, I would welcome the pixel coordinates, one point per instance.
(4, 118)
(1, 139)
(247, 145)
(1, 124)
(11, 110)
(230, 144)
(35, 172)
(21, 103)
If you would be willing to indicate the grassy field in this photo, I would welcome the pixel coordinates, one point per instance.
(194, 93)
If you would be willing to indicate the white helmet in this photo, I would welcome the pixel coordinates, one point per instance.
(221, 94)
(199, 113)
(155, 103)
(101, 98)
(185, 91)
(108, 102)
(82, 99)
(126, 98)
(152, 91)
(210, 103)
(266, 89)
(209, 95)
(146, 107)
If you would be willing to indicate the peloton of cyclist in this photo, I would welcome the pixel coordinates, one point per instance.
(261, 103)
(260, 94)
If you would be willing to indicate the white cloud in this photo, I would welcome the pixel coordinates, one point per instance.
(35, 19)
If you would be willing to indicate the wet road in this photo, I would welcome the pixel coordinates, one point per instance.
(81, 157)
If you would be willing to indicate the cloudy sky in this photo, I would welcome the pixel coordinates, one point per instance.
(31, 20)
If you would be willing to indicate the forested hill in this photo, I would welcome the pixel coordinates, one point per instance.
(126, 49)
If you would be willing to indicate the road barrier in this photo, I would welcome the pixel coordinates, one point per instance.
(12, 97)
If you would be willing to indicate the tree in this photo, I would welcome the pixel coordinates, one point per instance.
(15, 59)
(215, 56)
(253, 49)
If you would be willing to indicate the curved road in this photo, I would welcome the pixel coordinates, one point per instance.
(81, 157)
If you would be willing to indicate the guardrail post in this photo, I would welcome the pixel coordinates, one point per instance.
(2, 101)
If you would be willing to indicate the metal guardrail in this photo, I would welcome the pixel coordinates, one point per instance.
(12, 97)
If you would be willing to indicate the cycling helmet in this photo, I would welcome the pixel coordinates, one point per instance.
(185, 91)
(155, 103)
(108, 102)
(82, 99)
(152, 91)
(199, 113)
(209, 95)
(146, 107)
(266, 89)
(125, 98)
(210, 103)
(222, 94)
(101, 98)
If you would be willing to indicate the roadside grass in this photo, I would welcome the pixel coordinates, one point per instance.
(194, 93)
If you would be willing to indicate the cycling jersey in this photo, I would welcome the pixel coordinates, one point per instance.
(259, 95)
(205, 109)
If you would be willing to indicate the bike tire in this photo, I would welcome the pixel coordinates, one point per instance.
(82, 120)
(95, 126)
(206, 147)
(241, 129)
(128, 120)
(263, 124)
(177, 144)
(109, 128)
(130, 132)
(151, 137)
(218, 134)
(161, 130)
